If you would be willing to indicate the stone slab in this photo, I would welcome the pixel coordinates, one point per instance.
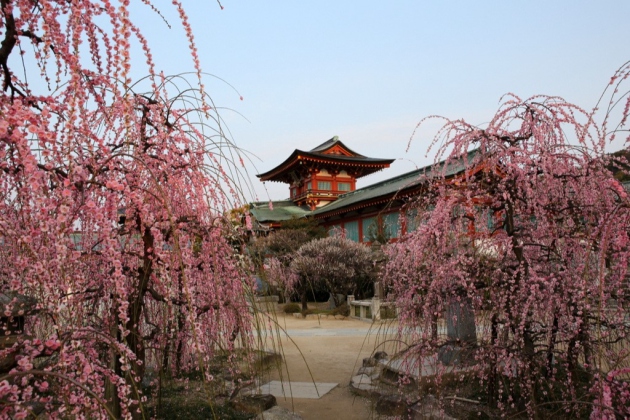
(307, 390)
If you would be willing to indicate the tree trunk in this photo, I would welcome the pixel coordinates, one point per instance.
(111, 391)
(434, 328)
(165, 364)
(303, 300)
(134, 339)
(585, 340)
(551, 347)
(179, 352)
(492, 376)
(461, 331)
(135, 342)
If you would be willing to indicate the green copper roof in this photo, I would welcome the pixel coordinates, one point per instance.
(282, 210)
(391, 186)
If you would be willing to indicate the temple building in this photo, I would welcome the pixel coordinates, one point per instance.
(322, 185)
(318, 177)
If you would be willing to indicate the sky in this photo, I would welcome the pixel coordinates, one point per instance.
(369, 71)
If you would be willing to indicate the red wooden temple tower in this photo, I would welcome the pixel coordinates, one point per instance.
(318, 176)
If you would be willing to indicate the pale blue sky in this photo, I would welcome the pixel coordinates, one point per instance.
(368, 71)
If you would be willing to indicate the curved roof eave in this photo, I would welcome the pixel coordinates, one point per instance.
(333, 159)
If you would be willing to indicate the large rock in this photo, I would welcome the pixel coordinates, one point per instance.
(461, 332)
(392, 405)
(450, 354)
(428, 408)
(363, 370)
(362, 385)
(370, 362)
(331, 300)
(361, 379)
(460, 322)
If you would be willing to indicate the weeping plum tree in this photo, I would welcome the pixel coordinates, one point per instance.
(336, 264)
(282, 244)
(109, 213)
(273, 253)
(534, 235)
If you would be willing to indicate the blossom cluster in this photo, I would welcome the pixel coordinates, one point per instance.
(532, 235)
(110, 216)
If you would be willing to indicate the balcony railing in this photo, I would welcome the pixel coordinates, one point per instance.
(318, 194)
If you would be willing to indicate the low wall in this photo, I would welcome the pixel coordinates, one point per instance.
(371, 309)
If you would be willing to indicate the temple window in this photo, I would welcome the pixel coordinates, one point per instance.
(411, 220)
(369, 228)
(352, 230)
(324, 185)
(343, 186)
(391, 225)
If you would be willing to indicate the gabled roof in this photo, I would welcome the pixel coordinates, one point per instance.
(332, 152)
(399, 186)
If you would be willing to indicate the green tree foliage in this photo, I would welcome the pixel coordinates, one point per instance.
(306, 224)
(285, 241)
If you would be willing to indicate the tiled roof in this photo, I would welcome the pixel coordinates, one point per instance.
(385, 190)
(317, 154)
(330, 143)
(398, 184)
(282, 210)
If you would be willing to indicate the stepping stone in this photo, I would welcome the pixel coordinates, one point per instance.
(361, 379)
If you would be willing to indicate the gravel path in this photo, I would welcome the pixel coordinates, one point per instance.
(330, 351)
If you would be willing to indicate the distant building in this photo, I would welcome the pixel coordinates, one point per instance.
(322, 185)
(319, 176)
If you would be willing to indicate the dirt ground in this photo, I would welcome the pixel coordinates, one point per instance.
(326, 350)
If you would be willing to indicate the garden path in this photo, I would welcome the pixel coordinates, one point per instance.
(327, 351)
